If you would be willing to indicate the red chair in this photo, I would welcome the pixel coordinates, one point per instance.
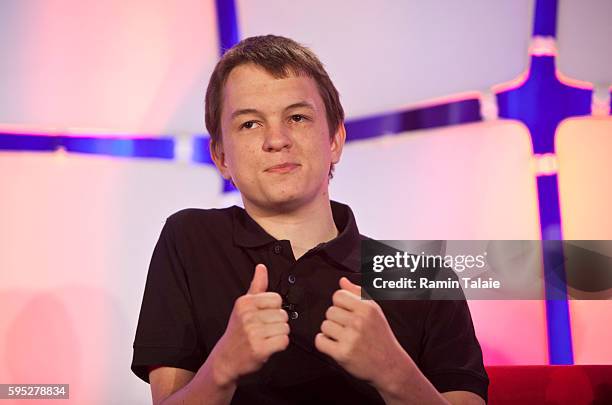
(554, 385)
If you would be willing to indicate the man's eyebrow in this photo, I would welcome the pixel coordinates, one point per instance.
(244, 111)
(301, 104)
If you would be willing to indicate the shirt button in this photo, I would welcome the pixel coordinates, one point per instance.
(277, 249)
(291, 278)
(293, 315)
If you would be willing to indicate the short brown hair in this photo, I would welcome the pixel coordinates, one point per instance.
(280, 57)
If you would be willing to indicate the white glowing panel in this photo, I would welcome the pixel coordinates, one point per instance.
(122, 66)
(584, 29)
(383, 55)
(471, 181)
(76, 237)
(584, 148)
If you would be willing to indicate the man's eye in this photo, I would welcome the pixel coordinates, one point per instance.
(248, 125)
(298, 118)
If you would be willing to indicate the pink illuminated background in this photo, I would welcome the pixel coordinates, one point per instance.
(77, 231)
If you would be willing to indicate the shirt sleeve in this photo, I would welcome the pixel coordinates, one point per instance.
(166, 334)
(452, 358)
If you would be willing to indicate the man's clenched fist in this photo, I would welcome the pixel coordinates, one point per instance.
(357, 335)
(257, 328)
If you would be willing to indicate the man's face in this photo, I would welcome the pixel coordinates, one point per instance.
(275, 145)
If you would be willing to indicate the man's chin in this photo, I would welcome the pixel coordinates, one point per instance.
(285, 203)
(283, 199)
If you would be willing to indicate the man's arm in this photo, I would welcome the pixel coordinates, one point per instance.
(257, 328)
(357, 335)
(171, 385)
(404, 383)
(166, 381)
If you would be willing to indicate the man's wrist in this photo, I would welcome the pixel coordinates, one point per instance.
(404, 383)
(220, 371)
(393, 383)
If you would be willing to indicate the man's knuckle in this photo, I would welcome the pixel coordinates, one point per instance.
(357, 323)
(284, 341)
(325, 326)
(275, 299)
(352, 339)
(337, 296)
(344, 353)
(368, 309)
(243, 304)
(246, 317)
(251, 331)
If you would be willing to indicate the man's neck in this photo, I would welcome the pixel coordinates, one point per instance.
(305, 227)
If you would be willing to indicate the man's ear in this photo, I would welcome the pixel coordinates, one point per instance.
(218, 156)
(337, 143)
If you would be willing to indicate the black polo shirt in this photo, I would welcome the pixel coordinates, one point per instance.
(205, 259)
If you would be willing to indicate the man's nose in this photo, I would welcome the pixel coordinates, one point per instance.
(277, 138)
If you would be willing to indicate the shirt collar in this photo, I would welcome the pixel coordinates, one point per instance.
(345, 249)
(247, 232)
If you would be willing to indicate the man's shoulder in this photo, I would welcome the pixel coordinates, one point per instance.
(375, 245)
(197, 218)
(363, 237)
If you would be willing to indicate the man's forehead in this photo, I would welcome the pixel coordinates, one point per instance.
(250, 86)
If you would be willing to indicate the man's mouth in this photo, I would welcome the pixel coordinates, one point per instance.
(283, 168)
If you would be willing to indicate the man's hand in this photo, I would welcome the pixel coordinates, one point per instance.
(257, 328)
(357, 335)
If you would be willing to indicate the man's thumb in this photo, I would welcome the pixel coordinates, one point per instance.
(346, 284)
(259, 283)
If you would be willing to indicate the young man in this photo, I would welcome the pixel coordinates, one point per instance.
(263, 304)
